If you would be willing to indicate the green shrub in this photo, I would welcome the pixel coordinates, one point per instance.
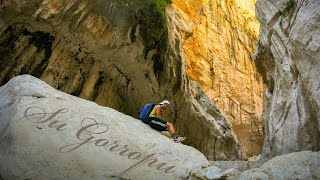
(288, 7)
(150, 15)
(152, 18)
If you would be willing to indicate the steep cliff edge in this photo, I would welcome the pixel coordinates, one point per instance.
(219, 55)
(116, 53)
(287, 57)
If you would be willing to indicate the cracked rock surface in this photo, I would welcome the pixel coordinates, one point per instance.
(287, 57)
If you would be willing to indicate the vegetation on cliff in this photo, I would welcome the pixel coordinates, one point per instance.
(153, 20)
(153, 24)
(150, 16)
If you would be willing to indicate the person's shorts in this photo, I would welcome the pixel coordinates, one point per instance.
(157, 124)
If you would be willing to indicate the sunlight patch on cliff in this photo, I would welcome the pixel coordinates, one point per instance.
(219, 56)
(248, 11)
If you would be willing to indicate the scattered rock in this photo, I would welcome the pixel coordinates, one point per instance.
(230, 174)
(205, 165)
(225, 165)
(254, 173)
(213, 173)
(254, 158)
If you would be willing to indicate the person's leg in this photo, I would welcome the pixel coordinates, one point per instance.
(170, 128)
(162, 125)
(157, 124)
(173, 133)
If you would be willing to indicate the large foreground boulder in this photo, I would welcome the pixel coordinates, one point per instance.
(299, 165)
(48, 134)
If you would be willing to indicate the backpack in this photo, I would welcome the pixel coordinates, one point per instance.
(145, 111)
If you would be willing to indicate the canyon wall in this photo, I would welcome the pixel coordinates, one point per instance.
(219, 55)
(120, 54)
(287, 57)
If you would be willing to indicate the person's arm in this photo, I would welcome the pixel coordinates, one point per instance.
(158, 112)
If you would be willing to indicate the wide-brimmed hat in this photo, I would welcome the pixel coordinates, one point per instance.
(165, 102)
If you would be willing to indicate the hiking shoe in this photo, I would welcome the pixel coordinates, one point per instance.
(179, 139)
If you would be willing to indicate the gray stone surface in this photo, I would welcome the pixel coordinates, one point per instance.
(287, 57)
(225, 165)
(48, 134)
(240, 166)
(302, 165)
(231, 174)
(213, 173)
(254, 173)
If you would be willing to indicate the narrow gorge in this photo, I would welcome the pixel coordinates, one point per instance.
(125, 54)
(219, 55)
(241, 76)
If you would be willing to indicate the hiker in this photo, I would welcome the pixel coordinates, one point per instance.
(156, 122)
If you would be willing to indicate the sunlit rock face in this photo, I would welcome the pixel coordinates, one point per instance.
(287, 57)
(219, 55)
(118, 54)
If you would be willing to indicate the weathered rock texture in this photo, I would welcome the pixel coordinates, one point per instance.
(219, 55)
(48, 134)
(287, 57)
(116, 53)
(300, 165)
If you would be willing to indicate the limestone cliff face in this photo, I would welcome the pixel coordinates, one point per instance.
(116, 53)
(287, 57)
(219, 55)
(75, 48)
